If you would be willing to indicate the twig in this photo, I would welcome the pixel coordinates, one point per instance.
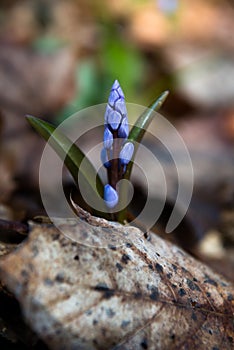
(17, 226)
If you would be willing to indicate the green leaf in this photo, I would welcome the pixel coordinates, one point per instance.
(139, 128)
(136, 134)
(142, 123)
(71, 155)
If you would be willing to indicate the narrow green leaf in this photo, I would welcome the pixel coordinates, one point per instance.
(70, 153)
(136, 134)
(139, 128)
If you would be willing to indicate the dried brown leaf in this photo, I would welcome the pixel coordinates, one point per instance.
(141, 295)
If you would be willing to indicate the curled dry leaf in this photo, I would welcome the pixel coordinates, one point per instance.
(143, 294)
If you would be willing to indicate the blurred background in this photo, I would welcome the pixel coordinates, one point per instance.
(59, 56)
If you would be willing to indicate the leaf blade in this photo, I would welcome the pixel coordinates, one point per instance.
(69, 152)
(136, 134)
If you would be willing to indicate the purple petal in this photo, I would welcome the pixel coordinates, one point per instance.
(114, 119)
(115, 85)
(104, 158)
(123, 129)
(126, 153)
(120, 91)
(108, 138)
(113, 97)
(120, 106)
(108, 110)
(110, 196)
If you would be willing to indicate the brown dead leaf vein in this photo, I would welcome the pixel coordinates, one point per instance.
(224, 334)
(130, 295)
(147, 260)
(203, 292)
(190, 335)
(76, 315)
(140, 328)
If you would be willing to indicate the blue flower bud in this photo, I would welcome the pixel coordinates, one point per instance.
(104, 158)
(108, 138)
(120, 91)
(126, 153)
(114, 119)
(110, 196)
(123, 130)
(108, 110)
(120, 106)
(116, 85)
(116, 109)
(116, 128)
(113, 97)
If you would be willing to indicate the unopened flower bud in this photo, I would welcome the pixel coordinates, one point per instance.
(110, 196)
(126, 153)
(123, 130)
(104, 158)
(107, 138)
(114, 119)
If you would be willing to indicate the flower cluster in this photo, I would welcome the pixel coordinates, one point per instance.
(116, 152)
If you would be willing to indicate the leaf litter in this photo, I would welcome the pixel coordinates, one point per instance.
(143, 294)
